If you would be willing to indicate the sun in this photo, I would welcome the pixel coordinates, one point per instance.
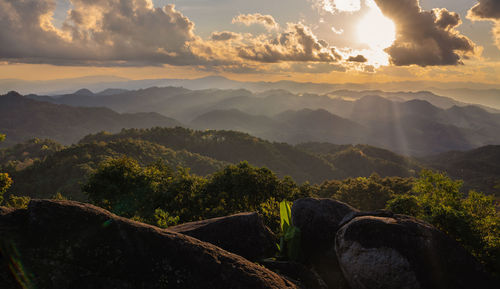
(376, 30)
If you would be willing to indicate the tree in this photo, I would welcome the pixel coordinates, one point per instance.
(5, 180)
(364, 193)
(121, 186)
(5, 183)
(472, 220)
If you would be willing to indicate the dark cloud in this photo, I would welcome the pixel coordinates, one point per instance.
(425, 38)
(488, 10)
(105, 31)
(225, 35)
(297, 43)
(359, 58)
(257, 18)
(485, 9)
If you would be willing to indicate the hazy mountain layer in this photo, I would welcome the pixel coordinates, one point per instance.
(22, 118)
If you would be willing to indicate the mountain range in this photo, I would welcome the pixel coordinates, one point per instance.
(22, 118)
(466, 92)
(412, 127)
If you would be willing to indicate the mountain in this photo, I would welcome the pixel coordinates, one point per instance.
(413, 127)
(234, 119)
(229, 146)
(479, 168)
(463, 92)
(489, 97)
(232, 147)
(320, 126)
(22, 118)
(417, 127)
(363, 160)
(65, 169)
(403, 96)
(40, 168)
(291, 126)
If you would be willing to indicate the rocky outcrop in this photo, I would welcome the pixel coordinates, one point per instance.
(63, 244)
(402, 252)
(243, 234)
(306, 278)
(319, 220)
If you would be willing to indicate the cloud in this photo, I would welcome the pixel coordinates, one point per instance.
(225, 36)
(257, 18)
(425, 38)
(485, 9)
(108, 32)
(359, 58)
(488, 10)
(334, 6)
(296, 43)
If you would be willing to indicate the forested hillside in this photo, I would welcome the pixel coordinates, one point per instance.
(43, 167)
(479, 168)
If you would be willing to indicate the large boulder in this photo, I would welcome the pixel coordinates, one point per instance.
(402, 252)
(319, 220)
(63, 244)
(243, 234)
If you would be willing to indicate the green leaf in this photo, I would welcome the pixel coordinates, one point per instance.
(285, 215)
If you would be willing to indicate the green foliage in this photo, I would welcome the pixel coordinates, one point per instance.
(122, 187)
(370, 193)
(159, 195)
(289, 246)
(473, 220)
(42, 172)
(364, 193)
(404, 204)
(5, 183)
(17, 202)
(58, 196)
(2, 137)
(164, 220)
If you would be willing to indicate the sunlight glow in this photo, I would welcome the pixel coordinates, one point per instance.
(376, 30)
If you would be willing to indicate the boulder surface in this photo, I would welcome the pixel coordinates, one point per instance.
(402, 252)
(319, 220)
(64, 244)
(243, 234)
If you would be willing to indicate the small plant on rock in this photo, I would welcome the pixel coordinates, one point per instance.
(289, 246)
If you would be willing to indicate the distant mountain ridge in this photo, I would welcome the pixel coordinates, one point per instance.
(411, 127)
(22, 118)
(472, 93)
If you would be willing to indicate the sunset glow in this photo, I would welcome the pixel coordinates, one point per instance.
(376, 30)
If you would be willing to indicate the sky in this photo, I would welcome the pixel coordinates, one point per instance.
(334, 41)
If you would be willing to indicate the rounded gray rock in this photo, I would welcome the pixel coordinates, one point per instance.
(402, 252)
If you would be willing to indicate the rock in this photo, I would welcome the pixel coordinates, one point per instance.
(5, 210)
(319, 220)
(305, 277)
(402, 252)
(64, 244)
(243, 234)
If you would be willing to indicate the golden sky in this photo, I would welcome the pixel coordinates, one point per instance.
(333, 41)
